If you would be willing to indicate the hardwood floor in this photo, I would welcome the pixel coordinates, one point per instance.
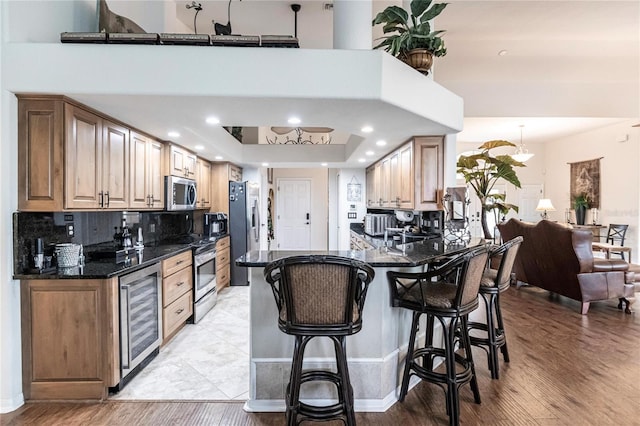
(565, 369)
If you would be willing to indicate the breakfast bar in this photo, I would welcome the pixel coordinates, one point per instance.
(375, 355)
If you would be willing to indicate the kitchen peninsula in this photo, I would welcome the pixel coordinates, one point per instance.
(375, 355)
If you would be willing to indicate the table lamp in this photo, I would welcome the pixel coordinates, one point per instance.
(544, 205)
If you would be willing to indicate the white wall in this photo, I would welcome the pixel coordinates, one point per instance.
(319, 202)
(345, 177)
(619, 174)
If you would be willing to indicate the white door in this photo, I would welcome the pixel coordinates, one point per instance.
(528, 201)
(293, 204)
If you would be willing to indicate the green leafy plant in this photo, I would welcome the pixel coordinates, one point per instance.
(481, 171)
(581, 201)
(411, 31)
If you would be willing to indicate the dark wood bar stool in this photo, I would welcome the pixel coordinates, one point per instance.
(448, 293)
(494, 282)
(319, 296)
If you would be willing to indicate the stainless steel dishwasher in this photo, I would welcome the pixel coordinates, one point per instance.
(140, 319)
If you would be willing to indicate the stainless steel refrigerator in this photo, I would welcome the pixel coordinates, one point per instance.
(244, 225)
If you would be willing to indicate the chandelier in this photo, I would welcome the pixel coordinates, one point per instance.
(522, 154)
(300, 138)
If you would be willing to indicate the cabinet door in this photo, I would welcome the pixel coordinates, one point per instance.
(190, 162)
(177, 161)
(406, 190)
(83, 159)
(371, 187)
(204, 184)
(394, 179)
(138, 172)
(40, 154)
(429, 173)
(155, 174)
(235, 173)
(384, 182)
(115, 166)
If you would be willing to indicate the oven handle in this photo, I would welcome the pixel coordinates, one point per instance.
(205, 257)
(124, 326)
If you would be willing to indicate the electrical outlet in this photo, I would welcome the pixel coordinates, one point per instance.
(70, 230)
(152, 227)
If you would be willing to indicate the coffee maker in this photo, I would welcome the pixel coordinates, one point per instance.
(215, 225)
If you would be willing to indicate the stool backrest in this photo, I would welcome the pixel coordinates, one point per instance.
(317, 294)
(475, 262)
(616, 233)
(508, 252)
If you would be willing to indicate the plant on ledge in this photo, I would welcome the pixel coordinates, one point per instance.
(482, 171)
(412, 40)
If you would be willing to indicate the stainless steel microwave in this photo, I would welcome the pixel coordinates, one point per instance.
(180, 193)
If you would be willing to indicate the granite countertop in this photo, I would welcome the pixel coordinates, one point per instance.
(414, 254)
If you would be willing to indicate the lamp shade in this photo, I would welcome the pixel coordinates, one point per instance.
(545, 205)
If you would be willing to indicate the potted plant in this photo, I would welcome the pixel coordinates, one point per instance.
(409, 37)
(580, 205)
(482, 171)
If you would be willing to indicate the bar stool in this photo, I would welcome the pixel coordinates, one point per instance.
(494, 282)
(448, 293)
(316, 296)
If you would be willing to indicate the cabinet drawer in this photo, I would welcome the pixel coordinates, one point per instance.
(223, 277)
(175, 263)
(175, 285)
(222, 258)
(176, 314)
(223, 243)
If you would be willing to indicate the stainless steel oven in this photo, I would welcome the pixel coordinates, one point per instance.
(204, 282)
(140, 318)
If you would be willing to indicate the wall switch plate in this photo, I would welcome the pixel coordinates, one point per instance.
(68, 218)
(352, 215)
(70, 230)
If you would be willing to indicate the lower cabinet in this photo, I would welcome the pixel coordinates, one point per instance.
(70, 338)
(177, 293)
(223, 263)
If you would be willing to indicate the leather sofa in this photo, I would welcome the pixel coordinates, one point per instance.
(558, 258)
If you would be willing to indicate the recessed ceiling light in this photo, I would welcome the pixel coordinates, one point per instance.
(294, 120)
(173, 134)
(381, 143)
(361, 160)
(265, 164)
(218, 157)
(367, 129)
(213, 120)
(502, 53)
(324, 164)
(369, 153)
(199, 147)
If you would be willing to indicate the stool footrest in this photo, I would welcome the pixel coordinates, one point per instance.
(313, 375)
(484, 341)
(334, 411)
(463, 376)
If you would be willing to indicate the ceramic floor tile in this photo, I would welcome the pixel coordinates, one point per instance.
(205, 361)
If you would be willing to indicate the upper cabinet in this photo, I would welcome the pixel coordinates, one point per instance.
(411, 177)
(96, 157)
(181, 162)
(221, 174)
(203, 182)
(146, 183)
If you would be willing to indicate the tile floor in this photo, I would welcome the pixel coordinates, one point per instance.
(205, 361)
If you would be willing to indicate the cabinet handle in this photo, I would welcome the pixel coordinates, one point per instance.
(179, 311)
(108, 198)
(179, 262)
(180, 283)
(101, 202)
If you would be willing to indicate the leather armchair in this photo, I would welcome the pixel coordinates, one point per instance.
(560, 259)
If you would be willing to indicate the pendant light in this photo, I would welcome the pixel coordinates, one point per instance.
(522, 154)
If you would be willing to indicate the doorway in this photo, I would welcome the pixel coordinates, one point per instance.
(528, 201)
(293, 214)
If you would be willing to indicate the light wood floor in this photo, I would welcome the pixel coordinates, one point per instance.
(566, 369)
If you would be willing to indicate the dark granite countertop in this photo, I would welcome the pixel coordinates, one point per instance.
(414, 254)
(107, 268)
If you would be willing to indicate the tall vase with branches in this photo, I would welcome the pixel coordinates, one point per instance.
(482, 171)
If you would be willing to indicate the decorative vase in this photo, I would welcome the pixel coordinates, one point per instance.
(419, 59)
(580, 214)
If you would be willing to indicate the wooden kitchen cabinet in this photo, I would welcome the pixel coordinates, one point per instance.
(96, 161)
(223, 262)
(146, 182)
(177, 293)
(70, 338)
(221, 174)
(412, 177)
(203, 182)
(181, 162)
